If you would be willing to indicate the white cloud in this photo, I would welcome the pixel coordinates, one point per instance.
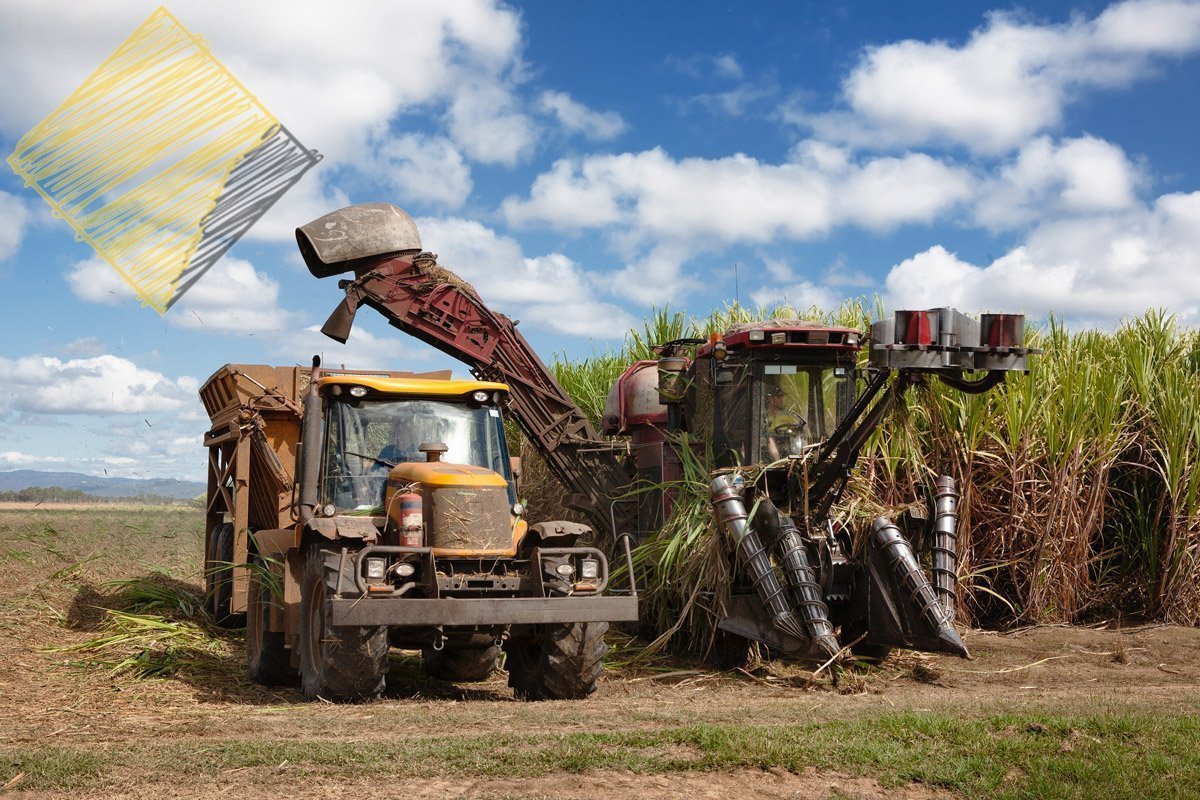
(1072, 176)
(727, 66)
(93, 280)
(1008, 82)
(13, 459)
(578, 118)
(1093, 268)
(14, 218)
(232, 297)
(337, 79)
(801, 294)
(736, 199)
(363, 350)
(550, 291)
(429, 167)
(661, 211)
(104, 384)
(84, 347)
(486, 123)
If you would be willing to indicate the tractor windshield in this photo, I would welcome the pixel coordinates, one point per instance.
(365, 439)
(801, 405)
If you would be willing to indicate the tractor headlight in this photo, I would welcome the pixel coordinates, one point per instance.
(480, 397)
(566, 570)
(589, 569)
(376, 568)
(405, 570)
(358, 391)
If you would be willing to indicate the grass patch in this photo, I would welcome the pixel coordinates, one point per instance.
(1007, 756)
(49, 768)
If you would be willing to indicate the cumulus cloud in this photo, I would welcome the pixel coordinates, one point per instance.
(1071, 176)
(363, 350)
(550, 291)
(429, 167)
(232, 297)
(1011, 80)
(1094, 268)
(104, 384)
(337, 80)
(14, 218)
(14, 459)
(93, 280)
(578, 118)
(736, 199)
(660, 211)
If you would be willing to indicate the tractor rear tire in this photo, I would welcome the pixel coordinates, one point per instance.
(564, 663)
(268, 659)
(341, 664)
(461, 664)
(220, 578)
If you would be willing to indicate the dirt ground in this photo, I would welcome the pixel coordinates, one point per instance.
(54, 564)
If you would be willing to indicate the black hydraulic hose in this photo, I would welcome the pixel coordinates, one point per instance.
(945, 543)
(993, 379)
(732, 513)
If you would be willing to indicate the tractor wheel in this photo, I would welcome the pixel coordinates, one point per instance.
(220, 577)
(563, 663)
(864, 652)
(461, 664)
(342, 664)
(268, 660)
(729, 651)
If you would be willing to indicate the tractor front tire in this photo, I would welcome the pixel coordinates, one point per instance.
(268, 659)
(341, 664)
(461, 664)
(564, 662)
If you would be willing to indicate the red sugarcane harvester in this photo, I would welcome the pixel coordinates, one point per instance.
(782, 394)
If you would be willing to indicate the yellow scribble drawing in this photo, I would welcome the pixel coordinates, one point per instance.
(137, 159)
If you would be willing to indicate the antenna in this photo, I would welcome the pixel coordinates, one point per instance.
(737, 300)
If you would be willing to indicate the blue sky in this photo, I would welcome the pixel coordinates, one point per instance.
(581, 162)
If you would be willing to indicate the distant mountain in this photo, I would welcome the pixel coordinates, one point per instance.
(101, 486)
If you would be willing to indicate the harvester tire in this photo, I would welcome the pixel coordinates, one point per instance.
(564, 663)
(341, 664)
(866, 653)
(461, 664)
(729, 651)
(220, 578)
(268, 660)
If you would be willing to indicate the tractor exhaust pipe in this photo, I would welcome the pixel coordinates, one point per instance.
(806, 592)
(945, 543)
(732, 513)
(898, 554)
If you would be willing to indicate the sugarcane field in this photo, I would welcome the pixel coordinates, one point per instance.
(501, 399)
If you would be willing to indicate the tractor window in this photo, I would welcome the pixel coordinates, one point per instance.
(800, 406)
(365, 438)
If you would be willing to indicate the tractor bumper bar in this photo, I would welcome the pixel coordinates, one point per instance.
(421, 612)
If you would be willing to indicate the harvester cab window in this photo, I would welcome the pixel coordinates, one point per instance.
(801, 405)
(365, 439)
